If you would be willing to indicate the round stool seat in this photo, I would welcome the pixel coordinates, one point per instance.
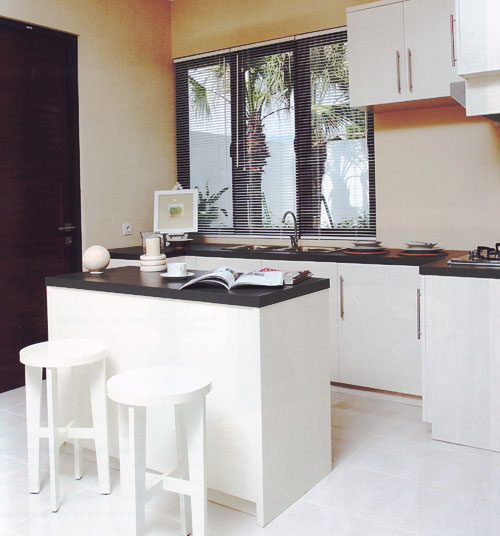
(63, 353)
(153, 386)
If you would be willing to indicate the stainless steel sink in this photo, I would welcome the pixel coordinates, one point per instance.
(284, 249)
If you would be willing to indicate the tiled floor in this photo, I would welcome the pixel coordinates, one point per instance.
(389, 479)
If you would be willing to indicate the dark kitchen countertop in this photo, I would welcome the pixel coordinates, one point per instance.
(130, 280)
(440, 268)
(437, 265)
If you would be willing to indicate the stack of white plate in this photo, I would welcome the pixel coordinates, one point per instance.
(153, 263)
(422, 248)
(366, 246)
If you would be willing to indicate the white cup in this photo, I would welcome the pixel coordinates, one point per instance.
(177, 269)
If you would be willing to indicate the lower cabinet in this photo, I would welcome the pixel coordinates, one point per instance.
(210, 263)
(379, 327)
(462, 360)
(375, 320)
(319, 269)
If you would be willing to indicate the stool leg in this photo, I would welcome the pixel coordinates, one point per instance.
(97, 377)
(182, 461)
(53, 433)
(132, 426)
(75, 408)
(194, 413)
(33, 377)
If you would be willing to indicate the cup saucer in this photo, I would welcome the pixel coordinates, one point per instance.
(179, 277)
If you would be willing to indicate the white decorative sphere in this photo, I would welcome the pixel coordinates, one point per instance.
(96, 259)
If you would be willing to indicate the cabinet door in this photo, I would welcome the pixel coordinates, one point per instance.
(462, 359)
(327, 270)
(428, 48)
(479, 38)
(242, 265)
(378, 340)
(377, 60)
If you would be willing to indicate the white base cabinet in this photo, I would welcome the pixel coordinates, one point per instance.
(268, 415)
(379, 340)
(329, 271)
(210, 263)
(462, 360)
(374, 319)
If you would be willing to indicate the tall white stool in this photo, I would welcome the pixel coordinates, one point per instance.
(185, 388)
(53, 355)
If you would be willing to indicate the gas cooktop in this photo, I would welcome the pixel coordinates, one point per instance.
(481, 256)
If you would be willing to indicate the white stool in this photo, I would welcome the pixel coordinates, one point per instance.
(53, 355)
(185, 388)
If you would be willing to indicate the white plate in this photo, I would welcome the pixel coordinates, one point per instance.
(169, 276)
(370, 248)
(423, 250)
(416, 244)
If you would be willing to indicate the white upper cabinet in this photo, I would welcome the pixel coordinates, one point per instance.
(401, 51)
(478, 37)
(376, 55)
(430, 47)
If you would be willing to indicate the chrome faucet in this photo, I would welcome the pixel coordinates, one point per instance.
(294, 238)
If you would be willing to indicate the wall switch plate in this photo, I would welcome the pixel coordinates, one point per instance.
(126, 229)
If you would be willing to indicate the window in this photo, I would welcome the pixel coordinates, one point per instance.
(268, 129)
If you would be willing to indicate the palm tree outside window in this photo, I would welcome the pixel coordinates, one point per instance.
(270, 129)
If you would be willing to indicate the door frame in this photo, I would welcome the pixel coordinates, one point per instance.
(73, 130)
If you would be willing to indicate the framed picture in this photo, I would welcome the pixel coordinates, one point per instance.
(176, 211)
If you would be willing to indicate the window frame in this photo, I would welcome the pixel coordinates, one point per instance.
(302, 104)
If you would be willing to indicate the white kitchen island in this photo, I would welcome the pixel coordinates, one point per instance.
(267, 350)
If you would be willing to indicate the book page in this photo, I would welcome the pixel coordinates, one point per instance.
(225, 275)
(260, 279)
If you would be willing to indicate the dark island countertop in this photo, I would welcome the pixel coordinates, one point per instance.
(433, 265)
(130, 280)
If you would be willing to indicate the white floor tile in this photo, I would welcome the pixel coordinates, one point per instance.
(444, 512)
(390, 478)
(322, 521)
(17, 503)
(378, 497)
(9, 465)
(12, 398)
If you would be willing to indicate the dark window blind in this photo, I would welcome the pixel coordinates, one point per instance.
(269, 129)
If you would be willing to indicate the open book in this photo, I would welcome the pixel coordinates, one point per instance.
(228, 277)
(291, 277)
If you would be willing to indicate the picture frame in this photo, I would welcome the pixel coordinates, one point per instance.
(176, 211)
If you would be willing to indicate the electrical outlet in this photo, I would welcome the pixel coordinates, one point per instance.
(126, 229)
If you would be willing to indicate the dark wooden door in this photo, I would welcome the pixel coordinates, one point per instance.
(39, 182)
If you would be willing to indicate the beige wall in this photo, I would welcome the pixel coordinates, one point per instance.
(127, 133)
(437, 172)
(201, 25)
(437, 178)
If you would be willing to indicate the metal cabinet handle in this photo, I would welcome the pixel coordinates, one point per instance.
(341, 292)
(410, 77)
(452, 35)
(398, 69)
(67, 227)
(419, 330)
